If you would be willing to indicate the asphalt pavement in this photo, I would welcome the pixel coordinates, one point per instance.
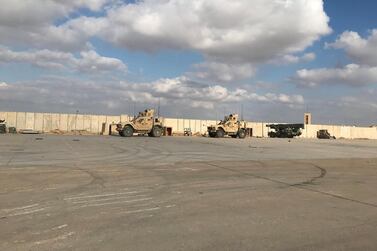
(186, 193)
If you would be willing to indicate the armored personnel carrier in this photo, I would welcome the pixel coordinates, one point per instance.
(144, 123)
(230, 126)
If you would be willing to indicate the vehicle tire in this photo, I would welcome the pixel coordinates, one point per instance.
(220, 133)
(156, 131)
(121, 133)
(212, 134)
(272, 135)
(128, 131)
(241, 133)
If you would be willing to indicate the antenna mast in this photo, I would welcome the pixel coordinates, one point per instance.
(241, 111)
(134, 109)
(159, 106)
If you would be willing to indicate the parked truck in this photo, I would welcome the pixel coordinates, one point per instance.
(285, 130)
(230, 126)
(144, 123)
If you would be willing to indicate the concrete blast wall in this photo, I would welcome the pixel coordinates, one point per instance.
(48, 122)
(99, 124)
(178, 125)
(347, 132)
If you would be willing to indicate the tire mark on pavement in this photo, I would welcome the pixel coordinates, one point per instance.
(313, 179)
(306, 188)
(23, 210)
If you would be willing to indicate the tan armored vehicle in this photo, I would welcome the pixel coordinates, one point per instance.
(144, 123)
(230, 126)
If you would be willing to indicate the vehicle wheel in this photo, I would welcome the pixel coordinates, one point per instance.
(156, 131)
(128, 131)
(241, 133)
(121, 133)
(272, 135)
(220, 133)
(212, 134)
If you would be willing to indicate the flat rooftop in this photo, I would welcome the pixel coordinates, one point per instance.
(186, 193)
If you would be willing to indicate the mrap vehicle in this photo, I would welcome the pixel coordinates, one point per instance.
(230, 126)
(144, 123)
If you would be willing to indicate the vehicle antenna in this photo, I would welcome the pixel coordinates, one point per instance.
(159, 106)
(134, 110)
(241, 111)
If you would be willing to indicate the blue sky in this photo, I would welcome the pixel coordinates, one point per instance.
(276, 58)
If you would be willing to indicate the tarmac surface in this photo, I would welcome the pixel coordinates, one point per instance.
(186, 193)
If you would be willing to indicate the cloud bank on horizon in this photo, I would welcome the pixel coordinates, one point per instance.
(72, 55)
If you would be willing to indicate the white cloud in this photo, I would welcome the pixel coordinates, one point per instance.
(242, 31)
(223, 72)
(292, 59)
(196, 94)
(203, 104)
(308, 57)
(286, 99)
(31, 23)
(233, 36)
(357, 108)
(360, 50)
(21, 13)
(352, 75)
(89, 61)
(42, 58)
(3, 85)
(366, 102)
(182, 97)
(363, 72)
(178, 94)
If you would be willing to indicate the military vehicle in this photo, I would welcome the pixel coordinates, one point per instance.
(285, 130)
(3, 127)
(324, 134)
(144, 123)
(187, 132)
(230, 126)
